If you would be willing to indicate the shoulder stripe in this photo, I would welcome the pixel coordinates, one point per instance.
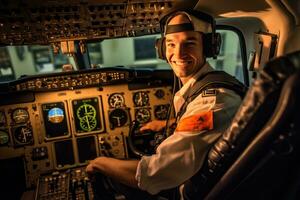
(197, 122)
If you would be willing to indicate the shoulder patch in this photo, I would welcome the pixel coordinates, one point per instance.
(209, 92)
(197, 122)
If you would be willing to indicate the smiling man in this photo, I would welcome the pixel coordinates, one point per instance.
(187, 41)
(184, 50)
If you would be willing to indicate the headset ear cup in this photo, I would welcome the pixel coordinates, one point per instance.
(211, 44)
(160, 48)
(207, 45)
(217, 43)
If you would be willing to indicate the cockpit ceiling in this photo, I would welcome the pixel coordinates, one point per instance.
(49, 21)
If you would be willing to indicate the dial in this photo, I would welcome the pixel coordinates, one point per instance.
(56, 115)
(116, 100)
(88, 123)
(20, 115)
(4, 137)
(141, 99)
(118, 118)
(2, 118)
(55, 119)
(23, 135)
(86, 110)
(142, 115)
(86, 114)
(159, 94)
(161, 111)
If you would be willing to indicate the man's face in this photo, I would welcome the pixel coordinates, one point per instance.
(184, 51)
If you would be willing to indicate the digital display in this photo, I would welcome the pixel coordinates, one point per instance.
(87, 115)
(55, 119)
(64, 153)
(86, 148)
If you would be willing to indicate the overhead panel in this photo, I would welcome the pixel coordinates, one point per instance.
(49, 21)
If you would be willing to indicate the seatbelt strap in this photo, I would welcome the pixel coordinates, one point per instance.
(213, 79)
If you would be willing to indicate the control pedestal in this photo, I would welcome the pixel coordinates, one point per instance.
(72, 184)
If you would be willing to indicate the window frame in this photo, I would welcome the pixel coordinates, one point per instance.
(242, 48)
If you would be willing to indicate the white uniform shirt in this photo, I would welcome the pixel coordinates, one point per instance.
(181, 155)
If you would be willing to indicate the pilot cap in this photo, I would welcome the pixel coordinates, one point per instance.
(195, 24)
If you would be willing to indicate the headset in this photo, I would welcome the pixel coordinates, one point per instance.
(211, 41)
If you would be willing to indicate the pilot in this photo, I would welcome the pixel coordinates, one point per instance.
(181, 155)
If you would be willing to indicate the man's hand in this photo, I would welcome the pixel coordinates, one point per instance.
(156, 125)
(121, 170)
(90, 168)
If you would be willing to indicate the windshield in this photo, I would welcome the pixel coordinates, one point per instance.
(134, 52)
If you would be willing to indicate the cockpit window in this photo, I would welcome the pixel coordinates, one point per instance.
(230, 56)
(17, 61)
(128, 52)
(134, 52)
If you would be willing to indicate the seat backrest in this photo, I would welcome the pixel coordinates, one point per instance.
(269, 167)
(256, 109)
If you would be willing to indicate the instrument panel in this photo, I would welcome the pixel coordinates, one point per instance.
(64, 129)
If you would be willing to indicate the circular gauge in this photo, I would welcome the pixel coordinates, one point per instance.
(141, 99)
(142, 115)
(161, 112)
(23, 135)
(4, 137)
(2, 119)
(118, 118)
(159, 94)
(20, 115)
(88, 123)
(116, 100)
(86, 114)
(86, 110)
(56, 115)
